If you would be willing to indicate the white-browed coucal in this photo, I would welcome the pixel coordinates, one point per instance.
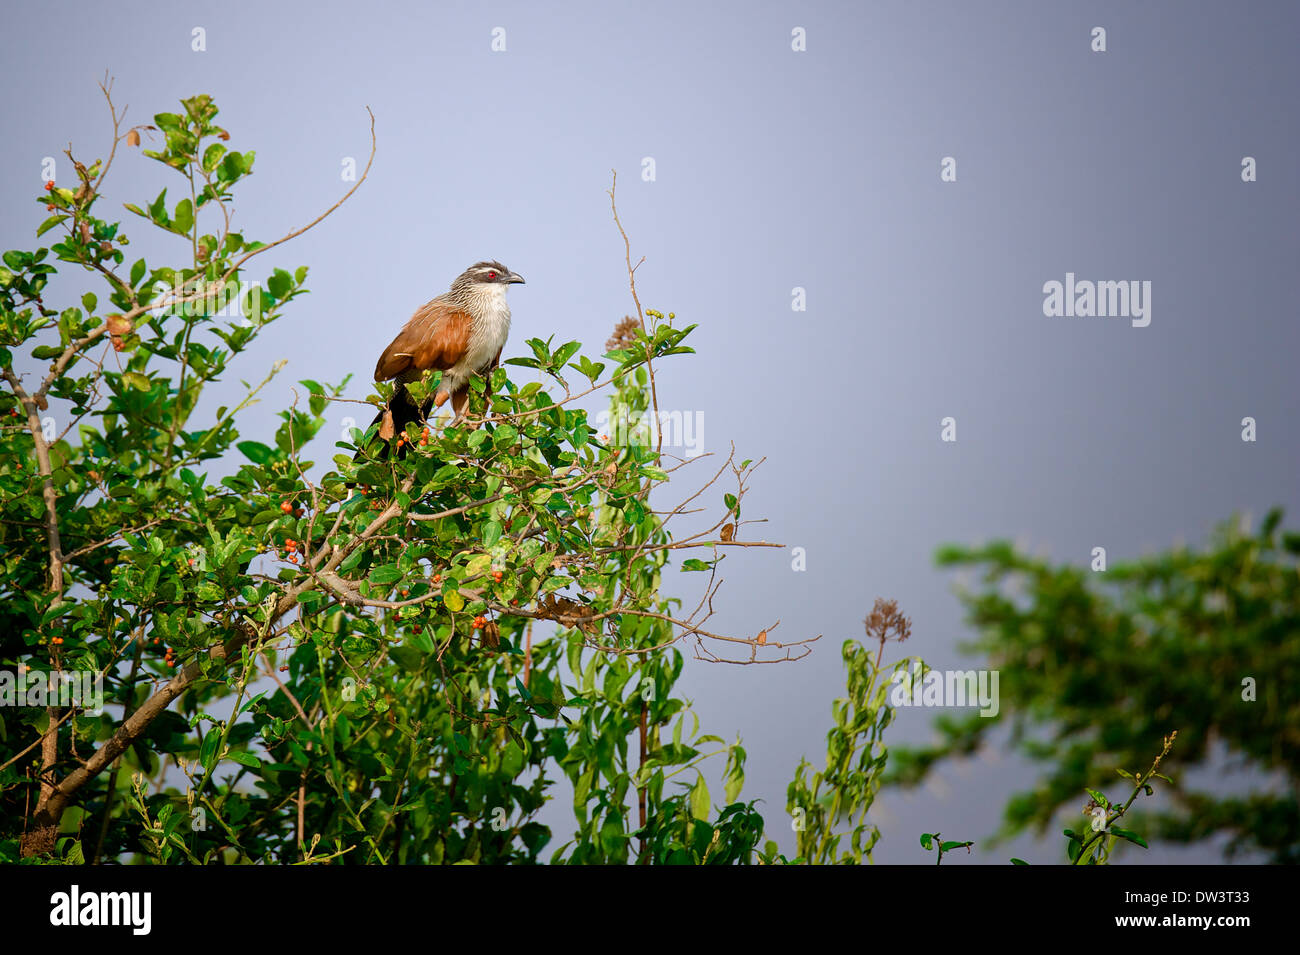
(460, 333)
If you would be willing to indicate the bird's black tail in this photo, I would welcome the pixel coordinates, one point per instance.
(403, 410)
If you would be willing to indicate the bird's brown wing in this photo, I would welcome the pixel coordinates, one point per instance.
(437, 336)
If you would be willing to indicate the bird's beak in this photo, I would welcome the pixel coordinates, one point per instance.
(515, 277)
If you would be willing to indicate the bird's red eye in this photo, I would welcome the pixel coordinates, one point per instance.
(492, 276)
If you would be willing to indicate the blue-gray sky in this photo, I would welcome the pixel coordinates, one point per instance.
(776, 169)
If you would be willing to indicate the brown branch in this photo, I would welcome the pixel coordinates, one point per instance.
(631, 281)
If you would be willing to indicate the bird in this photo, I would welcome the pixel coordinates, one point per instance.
(460, 333)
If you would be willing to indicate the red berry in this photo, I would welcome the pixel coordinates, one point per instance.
(49, 207)
(49, 184)
(286, 507)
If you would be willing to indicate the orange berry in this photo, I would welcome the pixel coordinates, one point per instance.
(437, 578)
(49, 207)
(285, 668)
(286, 507)
(49, 184)
(480, 622)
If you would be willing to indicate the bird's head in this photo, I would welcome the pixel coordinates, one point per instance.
(485, 274)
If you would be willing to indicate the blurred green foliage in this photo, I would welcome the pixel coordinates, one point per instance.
(1098, 665)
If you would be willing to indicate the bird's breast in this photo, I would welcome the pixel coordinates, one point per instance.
(487, 337)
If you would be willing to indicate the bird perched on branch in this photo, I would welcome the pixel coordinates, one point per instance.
(460, 333)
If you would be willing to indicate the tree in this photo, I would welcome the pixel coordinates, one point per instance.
(308, 664)
(1098, 666)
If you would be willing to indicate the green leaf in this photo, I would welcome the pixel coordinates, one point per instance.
(540, 349)
(386, 575)
(1129, 835)
(232, 167)
(212, 155)
(49, 224)
(454, 601)
(137, 381)
(280, 283)
(208, 748)
(246, 759)
(158, 208)
(183, 219)
(1015, 861)
(700, 803)
(927, 840)
(565, 352)
(423, 641)
(256, 452)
